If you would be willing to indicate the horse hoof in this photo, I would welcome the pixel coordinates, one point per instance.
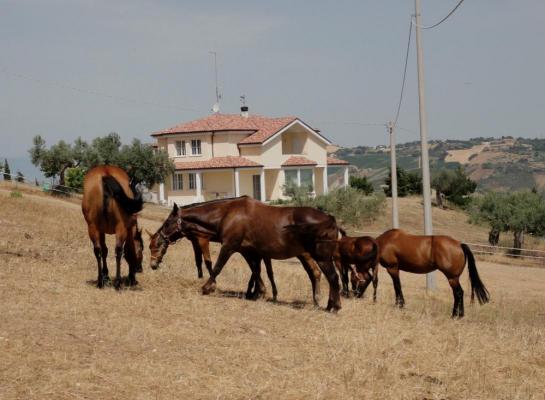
(139, 269)
(333, 306)
(208, 288)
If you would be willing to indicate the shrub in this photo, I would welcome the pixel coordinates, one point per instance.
(361, 183)
(349, 205)
(15, 194)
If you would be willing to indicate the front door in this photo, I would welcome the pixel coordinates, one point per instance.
(257, 187)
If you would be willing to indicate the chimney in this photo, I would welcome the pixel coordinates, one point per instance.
(244, 111)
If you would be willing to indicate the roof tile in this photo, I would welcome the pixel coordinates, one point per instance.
(216, 162)
(298, 160)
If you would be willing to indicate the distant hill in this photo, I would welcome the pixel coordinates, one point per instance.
(505, 163)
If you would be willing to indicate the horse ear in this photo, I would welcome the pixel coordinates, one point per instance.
(175, 208)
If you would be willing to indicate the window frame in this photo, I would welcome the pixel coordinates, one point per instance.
(196, 144)
(177, 181)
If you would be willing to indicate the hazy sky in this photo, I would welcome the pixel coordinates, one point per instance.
(332, 63)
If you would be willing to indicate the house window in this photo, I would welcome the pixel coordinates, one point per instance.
(192, 182)
(196, 147)
(299, 177)
(291, 177)
(180, 147)
(306, 178)
(177, 182)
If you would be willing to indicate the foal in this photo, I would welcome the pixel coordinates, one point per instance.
(109, 206)
(360, 256)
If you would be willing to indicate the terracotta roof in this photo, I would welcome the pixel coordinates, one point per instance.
(298, 160)
(217, 162)
(258, 127)
(336, 161)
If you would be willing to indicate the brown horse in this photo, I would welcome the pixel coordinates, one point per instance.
(169, 233)
(360, 256)
(257, 230)
(109, 206)
(423, 254)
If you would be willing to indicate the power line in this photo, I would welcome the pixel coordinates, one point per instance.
(444, 19)
(404, 73)
(94, 92)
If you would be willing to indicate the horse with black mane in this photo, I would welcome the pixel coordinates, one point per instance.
(257, 231)
(169, 233)
(109, 206)
(400, 251)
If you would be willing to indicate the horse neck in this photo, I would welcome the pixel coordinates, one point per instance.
(207, 215)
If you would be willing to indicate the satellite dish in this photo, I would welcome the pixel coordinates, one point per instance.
(216, 107)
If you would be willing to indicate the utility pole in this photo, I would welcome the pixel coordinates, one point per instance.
(393, 175)
(426, 189)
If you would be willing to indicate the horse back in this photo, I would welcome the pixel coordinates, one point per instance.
(93, 203)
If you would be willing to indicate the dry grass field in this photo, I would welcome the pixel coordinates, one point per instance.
(61, 338)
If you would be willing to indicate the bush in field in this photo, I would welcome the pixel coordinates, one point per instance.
(361, 183)
(349, 205)
(408, 183)
(74, 177)
(454, 185)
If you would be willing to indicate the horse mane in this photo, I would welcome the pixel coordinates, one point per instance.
(204, 203)
(112, 189)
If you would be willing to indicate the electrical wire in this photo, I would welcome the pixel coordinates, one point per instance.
(404, 73)
(443, 20)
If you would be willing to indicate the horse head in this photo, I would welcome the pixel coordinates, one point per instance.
(160, 240)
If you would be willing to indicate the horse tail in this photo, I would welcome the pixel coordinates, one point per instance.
(477, 286)
(112, 189)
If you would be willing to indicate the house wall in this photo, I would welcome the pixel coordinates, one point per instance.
(179, 197)
(274, 153)
(218, 184)
(246, 181)
(206, 148)
(226, 144)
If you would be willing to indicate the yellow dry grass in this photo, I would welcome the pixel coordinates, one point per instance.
(462, 156)
(61, 338)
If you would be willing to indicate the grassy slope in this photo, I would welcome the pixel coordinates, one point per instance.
(61, 338)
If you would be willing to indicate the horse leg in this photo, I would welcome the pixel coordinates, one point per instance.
(394, 273)
(225, 253)
(270, 274)
(95, 240)
(256, 287)
(198, 256)
(458, 293)
(334, 302)
(311, 272)
(105, 276)
(343, 270)
(120, 239)
(204, 245)
(375, 282)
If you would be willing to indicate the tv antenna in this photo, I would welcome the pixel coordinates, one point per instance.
(216, 106)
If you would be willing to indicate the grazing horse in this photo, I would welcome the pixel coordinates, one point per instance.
(169, 233)
(423, 254)
(360, 256)
(257, 231)
(109, 206)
